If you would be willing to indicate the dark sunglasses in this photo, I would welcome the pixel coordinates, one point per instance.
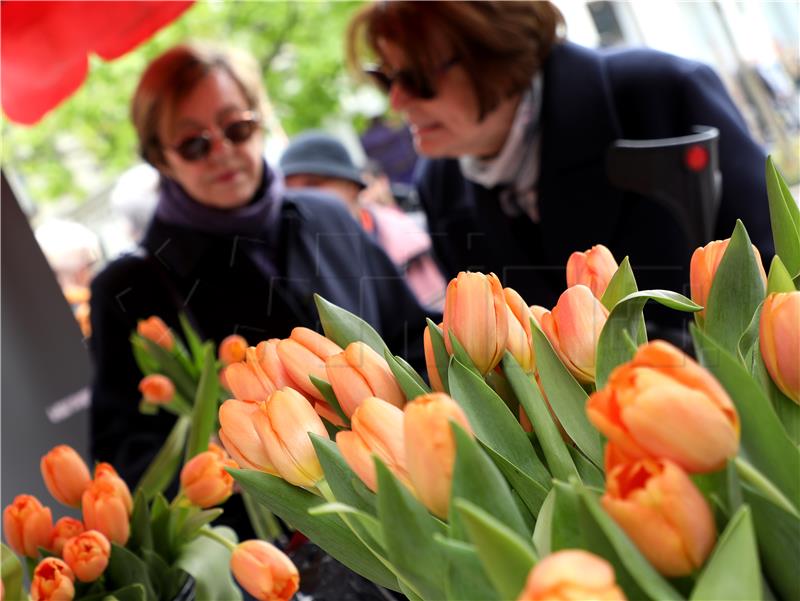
(415, 84)
(195, 148)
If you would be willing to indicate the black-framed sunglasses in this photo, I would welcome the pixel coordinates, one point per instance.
(197, 147)
(415, 84)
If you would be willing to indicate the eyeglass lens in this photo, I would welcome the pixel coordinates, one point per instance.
(198, 147)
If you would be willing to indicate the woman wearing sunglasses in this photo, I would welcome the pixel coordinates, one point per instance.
(517, 123)
(227, 245)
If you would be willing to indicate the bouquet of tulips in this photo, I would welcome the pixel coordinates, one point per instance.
(556, 454)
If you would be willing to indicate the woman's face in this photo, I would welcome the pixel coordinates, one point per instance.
(447, 125)
(228, 176)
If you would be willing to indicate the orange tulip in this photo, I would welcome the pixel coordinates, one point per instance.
(431, 448)
(519, 342)
(264, 571)
(593, 268)
(247, 380)
(283, 424)
(663, 513)
(572, 575)
(106, 506)
(779, 340)
(267, 354)
(53, 580)
(358, 373)
(239, 437)
(377, 429)
(87, 555)
(65, 474)
(28, 525)
(573, 328)
(106, 471)
(154, 329)
(475, 313)
(64, 530)
(232, 349)
(157, 389)
(663, 404)
(703, 268)
(204, 479)
(303, 354)
(430, 362)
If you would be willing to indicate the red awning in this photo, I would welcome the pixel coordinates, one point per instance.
(45, 46)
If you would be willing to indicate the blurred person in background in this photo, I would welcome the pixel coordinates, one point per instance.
(315, 159)
(516, 122)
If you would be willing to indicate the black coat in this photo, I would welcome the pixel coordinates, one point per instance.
(212, 279)
(590, 99)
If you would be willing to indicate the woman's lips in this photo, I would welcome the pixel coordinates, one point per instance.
(227, 177)
(426, 129)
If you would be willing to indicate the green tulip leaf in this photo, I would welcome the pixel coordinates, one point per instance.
(161, 471)
(440, 354)
(785, 218)
(208, 562)
(11, 572)
(525, 388)
(144, 361)
(195, 521)
(531, 492)
(343, 327)
(732, 572)
(460, 354)
(466, 578)
(369, 528)
(567, 398)
(194, 340)
(622, 284)
(141, 536)
(412, 373)
(125, 568)
(543, 532)
(590, 474)
(206, 404)
(264, 523)
(506, 557)
(411, 386)
(168, 365)
(326, 390)
(339, 475)
(779, 279)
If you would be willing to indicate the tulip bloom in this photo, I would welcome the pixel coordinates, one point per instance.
(65, 474)
(475, 313)
(64, 530)
(593, 268)
(270, 362)
(431, 448)
(247, 380)
(154, 329)
(107, 507)
(572, 575)
(663, 513)
(283, 424)
(107, 471)
(157, 389)
(232, 349)
(358, 373)
(703, 268)
(519, 342)
(663, 404)
(430, 362)
(205, 481)
(27, 525)
(87, 555)
(239, 437)
(53, 580)
(303, 354)
(264, 571)
(779, 340)
(573, 328)
(377, 429)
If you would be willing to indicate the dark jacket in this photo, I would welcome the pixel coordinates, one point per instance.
(591, 99)
(212, 279)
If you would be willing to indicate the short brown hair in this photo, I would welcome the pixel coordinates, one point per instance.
(500, 44)
(172, 76)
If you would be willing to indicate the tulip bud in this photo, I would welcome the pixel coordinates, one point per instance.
(779, 340)
(430, 362)
(520, 341)
(303, 354)
(239, 437)
(264, 571)
(571, 575)
(64, 530)
(573, 328)
(663, 513)
(703, 268)
(232, 349)
(106, 471)
(154, 329)
(283, 424)
(663, 404)
(65, 474)
(431, 448)
(28, 525)
(247, 380)
(53, 580)
(475, 313)
(377, 429)
(157, 389)
(106, 507)
(267, 354)
(358, 373)
(593, 268)
(87, 555)
(205, 481)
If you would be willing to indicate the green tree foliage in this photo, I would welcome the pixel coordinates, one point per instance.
(300, 46)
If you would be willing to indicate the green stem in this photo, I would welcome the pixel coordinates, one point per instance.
(177, 500)
(209, 533)
(750, 474)
(325, 490)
